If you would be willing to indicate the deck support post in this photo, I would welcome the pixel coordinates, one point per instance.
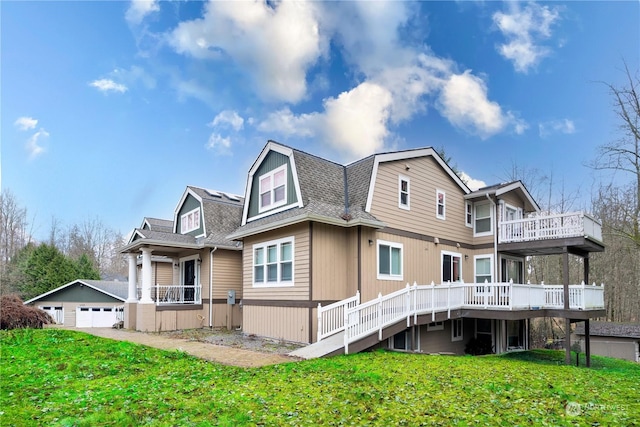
(587, 343)
(567, 321)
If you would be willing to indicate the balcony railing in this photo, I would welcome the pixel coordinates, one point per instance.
(373, 316)
(175, 294)
(557, 226)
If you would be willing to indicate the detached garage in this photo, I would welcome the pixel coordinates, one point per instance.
(84, 303)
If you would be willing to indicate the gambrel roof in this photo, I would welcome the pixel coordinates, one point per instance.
(221, 213)
(327, 191)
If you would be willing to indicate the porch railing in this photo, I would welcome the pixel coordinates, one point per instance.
(362, 320)
(557, 226)
(331, 317)
(175, 294)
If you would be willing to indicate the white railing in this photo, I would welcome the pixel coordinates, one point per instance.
(175, 294)
(331, 317)
(557, 226)
(362, 320)
(119, 313)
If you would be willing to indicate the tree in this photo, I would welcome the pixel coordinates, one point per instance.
(39, 269)
(13, 228)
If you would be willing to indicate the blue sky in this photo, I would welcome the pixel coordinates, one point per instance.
(109, 109)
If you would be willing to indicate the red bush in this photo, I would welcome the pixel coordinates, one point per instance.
(14, 314)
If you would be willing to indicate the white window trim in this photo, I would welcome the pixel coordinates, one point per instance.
(479, 290)
(491, 220)
(184, 221)
(397, 277)
(273, 204)
(391, 343)
(455, 338)
(455, 254)
(468, 205)
(279, 283)
(444, 204)
(435, 326)
(400, 205)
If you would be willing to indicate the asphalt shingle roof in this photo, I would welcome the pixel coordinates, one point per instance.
(157, 224)
(610, 329)
(119, 289)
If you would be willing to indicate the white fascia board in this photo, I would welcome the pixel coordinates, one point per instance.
(70, 284)
(406, 155)
(161, 243)
(286, 151)
(187, 191)
(518, 185)
(135, 233)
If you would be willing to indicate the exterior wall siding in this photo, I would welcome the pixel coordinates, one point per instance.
(190, 203)
(425, 177)
(281, 323)
(227, 273)
(272, 161)
(300, 290)
(440, 341)
(620, 348)
(330, 260)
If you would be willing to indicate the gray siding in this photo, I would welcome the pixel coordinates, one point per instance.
(272, 161)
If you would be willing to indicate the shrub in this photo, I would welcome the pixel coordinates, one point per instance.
(14, 314)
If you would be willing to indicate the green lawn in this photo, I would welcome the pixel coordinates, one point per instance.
(58, 377)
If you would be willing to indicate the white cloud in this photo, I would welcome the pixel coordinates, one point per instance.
(33, 145)
(525, 29)
(274, 43)
(139, 9)
(108, 85)
(354, 123)
(219, 144)
(25, 123)
(132, 76)
(564, 126)
(463, 101)
(228, 118)
(473, 184)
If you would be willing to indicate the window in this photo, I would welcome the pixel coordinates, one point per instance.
(468, 218)
(190, 221)
(273, 188)
(440, 204)
(273, 263)
(456, 330)
(389, 260)
(451, 267)
(403, 192)
(482, 224)
(483, 269)
(435, 326)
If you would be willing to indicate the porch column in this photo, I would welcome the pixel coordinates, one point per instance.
(567, 321)
(133, 279)
(146, 276)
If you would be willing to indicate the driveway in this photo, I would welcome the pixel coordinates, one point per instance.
(204, 350)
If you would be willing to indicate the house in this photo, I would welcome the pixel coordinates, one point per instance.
(332, 249)
(612, 339)
(393, 250)
(84, 303)
(185, 273)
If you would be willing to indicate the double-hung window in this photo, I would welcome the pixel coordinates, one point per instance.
(440, 204)
(389, 260)
(273, 188)
(468, 214)
(483, 272)
(190, 221)
(403, 192)
(483, 218)
(273, 263)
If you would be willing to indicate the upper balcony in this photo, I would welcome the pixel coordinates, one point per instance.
(542, 234)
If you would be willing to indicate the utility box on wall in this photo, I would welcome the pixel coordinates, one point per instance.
(231, 296)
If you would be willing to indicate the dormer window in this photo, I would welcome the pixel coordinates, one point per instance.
(273, 188)
(190, 221)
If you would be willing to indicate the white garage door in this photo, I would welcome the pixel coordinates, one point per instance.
(95, 317)
(56, 312)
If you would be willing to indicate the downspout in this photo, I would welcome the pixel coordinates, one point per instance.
(495, 237)
(211, 286)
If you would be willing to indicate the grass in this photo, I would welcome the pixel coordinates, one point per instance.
(65, 378)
